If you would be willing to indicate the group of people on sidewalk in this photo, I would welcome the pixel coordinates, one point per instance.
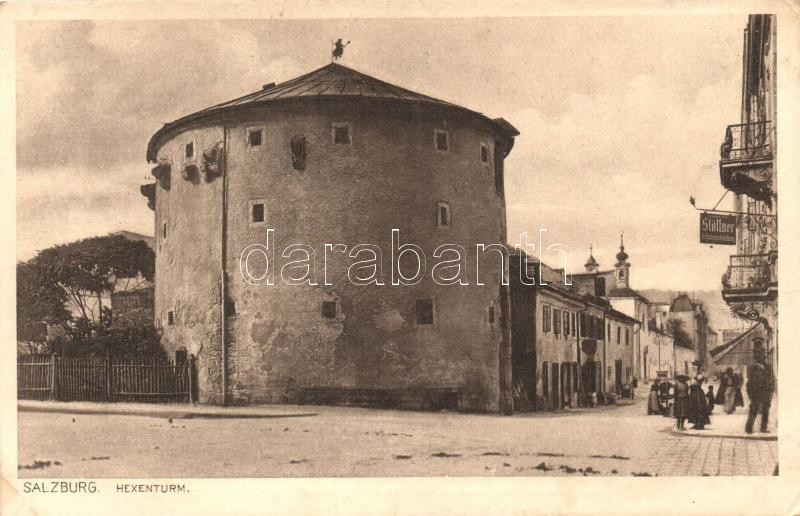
(691, 404)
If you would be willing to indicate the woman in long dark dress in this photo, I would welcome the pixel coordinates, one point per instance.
(681, 404)
(698, 404)
(652, 400)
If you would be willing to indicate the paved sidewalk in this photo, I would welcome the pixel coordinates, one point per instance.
(682, 455)
(732, 425)
(174, 411)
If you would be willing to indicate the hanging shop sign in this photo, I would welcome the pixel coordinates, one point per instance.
(717, 228)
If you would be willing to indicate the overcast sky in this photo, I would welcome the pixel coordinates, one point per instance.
(620, 118)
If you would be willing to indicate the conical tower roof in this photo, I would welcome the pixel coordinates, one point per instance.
(330, 81)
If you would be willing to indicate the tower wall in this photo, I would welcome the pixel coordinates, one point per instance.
(279, 345)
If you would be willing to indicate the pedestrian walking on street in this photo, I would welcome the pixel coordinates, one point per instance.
(652, 400)
(681, 405)
(759, 390)
(698, 404)
(710, 398)
(738, 399)
(728, 386)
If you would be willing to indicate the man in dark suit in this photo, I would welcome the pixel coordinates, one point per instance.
(759, 389)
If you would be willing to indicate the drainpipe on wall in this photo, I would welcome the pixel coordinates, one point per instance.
(223, 264)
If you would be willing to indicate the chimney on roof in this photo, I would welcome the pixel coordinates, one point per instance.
(268, 86)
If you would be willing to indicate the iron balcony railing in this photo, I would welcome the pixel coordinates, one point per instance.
(747, 142)
(750, 272)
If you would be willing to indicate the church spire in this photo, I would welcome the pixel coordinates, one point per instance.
(591, 264)
(622, 256)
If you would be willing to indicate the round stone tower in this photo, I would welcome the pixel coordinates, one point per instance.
(264, 207)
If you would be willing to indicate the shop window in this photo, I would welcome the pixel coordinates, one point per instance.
(545, 380)
(424, 309)
(341, 134)
(329, 309)
(441, 140)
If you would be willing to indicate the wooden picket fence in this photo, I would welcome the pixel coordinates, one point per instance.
(109, 379)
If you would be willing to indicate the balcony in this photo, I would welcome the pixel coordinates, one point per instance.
(746, 155)
(751, 277)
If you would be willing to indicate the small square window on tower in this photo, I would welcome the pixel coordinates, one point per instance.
(484, 153)
(341, 133)
(443, 215)
(257, 213)
(189, 150)
(441, 140)
(424, 309)
(164, 231)
(329, 309)
(255, 137)
(170, 318)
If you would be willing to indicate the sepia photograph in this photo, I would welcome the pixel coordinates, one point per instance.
(370, 247)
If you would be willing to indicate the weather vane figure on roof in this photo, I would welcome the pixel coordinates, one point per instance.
(338, 49)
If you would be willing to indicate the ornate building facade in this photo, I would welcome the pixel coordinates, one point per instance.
(747, 169)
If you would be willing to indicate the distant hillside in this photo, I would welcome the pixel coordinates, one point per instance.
(719, 313)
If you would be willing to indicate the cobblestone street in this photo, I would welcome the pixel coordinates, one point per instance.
(339, 441)
(693, 456)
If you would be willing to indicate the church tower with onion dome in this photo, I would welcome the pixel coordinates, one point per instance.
(622, 267)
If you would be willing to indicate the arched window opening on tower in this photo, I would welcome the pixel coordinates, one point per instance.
(443, 215)
(188, 150)
(164, 231)
(442, 140)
